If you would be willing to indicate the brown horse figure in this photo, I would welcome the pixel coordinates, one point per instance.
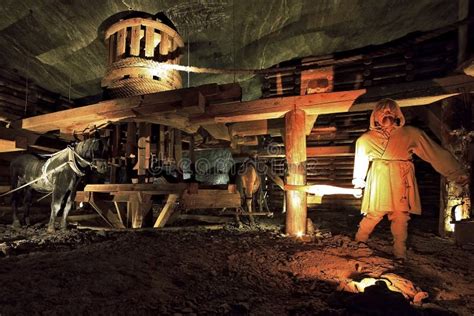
(248, 183)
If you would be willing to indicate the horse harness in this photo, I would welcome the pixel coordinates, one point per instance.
(73, 156)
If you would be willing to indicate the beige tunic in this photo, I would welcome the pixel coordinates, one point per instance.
(391, 185)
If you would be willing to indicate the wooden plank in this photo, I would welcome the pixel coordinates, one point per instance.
(149, 41)
(164, 44)
(143, 160)
(254, 128)
(333, 151)
(208, 199)
(112, 48)
(416, 93)
(84, 217)
(105, 212)
(218, 131)
(121, 38)
(145, 187)
(18, 144)
(135, 41)
(272, 108)
(167, 211)
(163, 28)
(309, 124)
(137, 208)
(130, 147)
(178, 153)
(161, 152)
(206, 218)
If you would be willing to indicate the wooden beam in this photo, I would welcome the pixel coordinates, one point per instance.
(150, 106)
(17, 144)
(295, 142)
(165, 188)
(254, 128)
(272, 108)
(218, 131)
(102, 208)
(320, 151)
(144, 135)
(209, 199)
(310, 121)
(332, 151)
(206, 218)
(167, 211)
(16, 139)
(416, 93)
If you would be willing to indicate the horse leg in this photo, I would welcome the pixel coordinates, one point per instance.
(260, 196)
(237, 217)
(14, 201)
(56, 202)
(249, 201)
(27, 205)
(67, 207)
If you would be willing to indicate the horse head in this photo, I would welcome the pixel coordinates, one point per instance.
(94, 150)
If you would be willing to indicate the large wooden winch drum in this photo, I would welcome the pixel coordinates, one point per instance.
(136, 47)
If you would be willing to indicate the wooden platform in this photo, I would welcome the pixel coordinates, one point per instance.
(122, 204)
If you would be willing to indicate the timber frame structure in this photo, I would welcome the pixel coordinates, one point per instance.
(295, 100)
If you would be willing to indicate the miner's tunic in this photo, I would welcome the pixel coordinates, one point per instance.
(386, 159)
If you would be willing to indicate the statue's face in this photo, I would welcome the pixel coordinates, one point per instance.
(385, 116)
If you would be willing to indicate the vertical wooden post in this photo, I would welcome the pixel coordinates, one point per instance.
(144, 133)
(192, 158)
(456, 114)
(115, 153)
(295, 144)
(131, 139)
(178, 153)
(161, 151)
(130, 149)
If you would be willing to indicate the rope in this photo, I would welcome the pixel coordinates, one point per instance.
(72, 155)
(35, 180)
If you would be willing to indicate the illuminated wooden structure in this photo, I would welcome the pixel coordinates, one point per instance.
(136, 47)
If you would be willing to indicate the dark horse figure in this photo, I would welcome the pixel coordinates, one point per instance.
(59, 174)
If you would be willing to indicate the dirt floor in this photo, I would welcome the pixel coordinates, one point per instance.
(233, 271)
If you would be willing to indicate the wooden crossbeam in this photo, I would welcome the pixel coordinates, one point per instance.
(17, 144)
(272, 108)
(144, 187)
(167, 211)
(153, 106)
(319, 151)
(406, 94)
(416, 93)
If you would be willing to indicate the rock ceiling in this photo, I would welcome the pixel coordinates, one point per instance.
(58, 44)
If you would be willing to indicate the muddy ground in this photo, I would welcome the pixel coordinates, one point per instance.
(232, 271)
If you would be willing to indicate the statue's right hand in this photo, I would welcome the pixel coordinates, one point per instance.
(358, 183)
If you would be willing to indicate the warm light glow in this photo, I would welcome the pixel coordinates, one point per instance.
(322, 190)
(299, 234)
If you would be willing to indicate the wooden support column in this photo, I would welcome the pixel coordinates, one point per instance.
(161, 150)
(295, 143)
(178, 152)
(144, 152)
(456, 114)
(192, 158)
(116, 136)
